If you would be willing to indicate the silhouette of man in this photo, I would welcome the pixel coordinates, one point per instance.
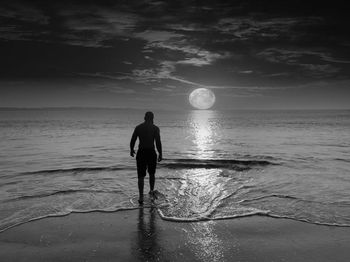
(146, 157)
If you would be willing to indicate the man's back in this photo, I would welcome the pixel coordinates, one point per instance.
(147, 134)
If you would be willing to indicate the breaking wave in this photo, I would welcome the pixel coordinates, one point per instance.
(235, 164)
(76, 170)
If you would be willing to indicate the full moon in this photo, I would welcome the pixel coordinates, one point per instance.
(202, 98)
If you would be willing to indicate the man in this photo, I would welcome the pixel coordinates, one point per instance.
(146, 157)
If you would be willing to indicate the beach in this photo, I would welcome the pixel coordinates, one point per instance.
(141, 235)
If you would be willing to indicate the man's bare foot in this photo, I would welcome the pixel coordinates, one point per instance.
(153, 194)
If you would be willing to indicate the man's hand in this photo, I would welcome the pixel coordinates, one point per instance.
(160, 158)
(132, 152)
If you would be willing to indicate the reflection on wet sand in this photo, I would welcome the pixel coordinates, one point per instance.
(205, 244)
(148, 247)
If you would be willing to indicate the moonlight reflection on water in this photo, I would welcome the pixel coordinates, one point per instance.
(205, 132)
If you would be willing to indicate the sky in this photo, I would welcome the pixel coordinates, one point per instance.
(151, 54)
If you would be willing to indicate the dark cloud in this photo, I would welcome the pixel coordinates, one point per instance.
(255, 28)
(23, 12)
(94, 26)
(312, 63)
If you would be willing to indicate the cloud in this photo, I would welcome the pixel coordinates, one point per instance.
(152, 36)
(22, 22)
(246, 72)
(91, 39)
(112, 88)
(186, 54)
(186, 28)
(278, 74)
(167, 69)
(164, 72)
(179, 44)
(24, 12)
(204, 57)
(162, 89)
(114, 76)
(176, 46)
(320, 84)
(244, 28)
(102, 21)
(13, 32)
(316, 63)
(92, 27)
(320, 71)
(291, 56)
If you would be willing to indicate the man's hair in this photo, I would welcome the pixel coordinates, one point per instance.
(149, 116)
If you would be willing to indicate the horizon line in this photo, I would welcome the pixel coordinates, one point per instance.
(179, 109)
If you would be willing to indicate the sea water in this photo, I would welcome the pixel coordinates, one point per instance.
(217, 164)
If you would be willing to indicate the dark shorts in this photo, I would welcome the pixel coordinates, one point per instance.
(146, 159)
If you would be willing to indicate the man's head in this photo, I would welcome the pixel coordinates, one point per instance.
(149, 116)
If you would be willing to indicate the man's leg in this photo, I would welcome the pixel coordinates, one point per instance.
(141, 173)
(152, 164)
(151, 181)
(140, 184)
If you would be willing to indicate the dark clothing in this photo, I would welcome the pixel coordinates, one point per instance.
(146, 160)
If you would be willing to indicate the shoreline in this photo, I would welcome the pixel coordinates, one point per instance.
(180, 220)
(141, 235)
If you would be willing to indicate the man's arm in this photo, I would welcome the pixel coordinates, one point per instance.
(159, 145)
(132, 143)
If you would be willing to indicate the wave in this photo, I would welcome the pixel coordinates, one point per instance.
(272, 195)
(308, 221)
(63, 214)
(338, 203)
(62, 192)
(76, 170)
(343, 159)
(251, 212)
(235, 164)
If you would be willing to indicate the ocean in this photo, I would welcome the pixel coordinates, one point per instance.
(217, 164)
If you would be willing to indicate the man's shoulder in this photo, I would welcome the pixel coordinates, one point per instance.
(141, 125)
(146, 126)
(138, 127)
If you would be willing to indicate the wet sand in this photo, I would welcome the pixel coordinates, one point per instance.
(141, 235)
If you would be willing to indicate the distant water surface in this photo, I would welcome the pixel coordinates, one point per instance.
(218, 164)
